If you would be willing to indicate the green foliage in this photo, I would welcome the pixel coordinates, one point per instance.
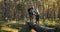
(20, 6)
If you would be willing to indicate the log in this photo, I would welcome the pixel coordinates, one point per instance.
(37, 28)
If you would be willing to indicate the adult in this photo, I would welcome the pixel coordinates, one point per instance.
(31, 12)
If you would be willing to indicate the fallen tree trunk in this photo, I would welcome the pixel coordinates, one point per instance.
(37, 28)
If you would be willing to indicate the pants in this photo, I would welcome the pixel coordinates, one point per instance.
(31, 18)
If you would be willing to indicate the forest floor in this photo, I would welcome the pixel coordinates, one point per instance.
(16, 26)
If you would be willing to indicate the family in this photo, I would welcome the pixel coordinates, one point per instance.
(33, 11)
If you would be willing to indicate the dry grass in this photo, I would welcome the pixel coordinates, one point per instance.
(50, 23)
(9, 29)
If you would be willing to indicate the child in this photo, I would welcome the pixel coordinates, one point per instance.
(37, 18)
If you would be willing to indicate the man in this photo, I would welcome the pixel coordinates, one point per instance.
(30, 11)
